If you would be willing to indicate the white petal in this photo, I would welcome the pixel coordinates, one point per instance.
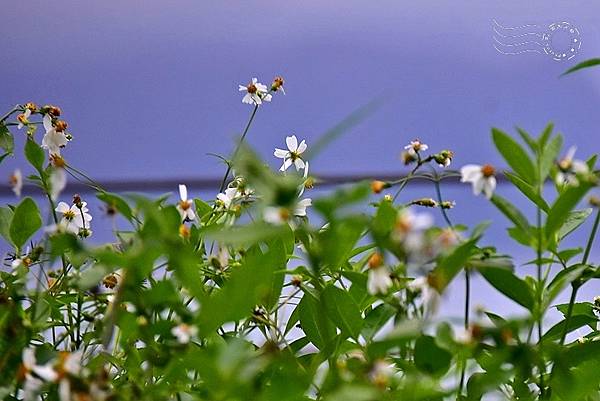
(299, 163)
(62, 208)
(47, 121)
(478, 186)
(242, 88)
(292, 143)
(301, 147)
(191, 215)
(489, 186)
(286, 164)
(280, 153)
(470, 173)
(183, 192)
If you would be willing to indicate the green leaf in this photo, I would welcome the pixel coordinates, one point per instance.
(117, 202)
(6, 215)
(317, 327)
(548, 156)
(376, 318)
(576, 321)
(531, 142)
(430, 358)
(561, 280)
(528, 191)
(575, 219)
(510, 285)
(7, 142)
(202, 208)
(450, 265)
(25, 222)
(342, 310)
(35, 155)
(515, 156)
(564, 204)
(510, 211)
(584, 64)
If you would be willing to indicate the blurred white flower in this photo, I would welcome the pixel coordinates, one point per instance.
(227, 197)
(16, 182)
(379, 280)
(381, 373)
(58, 182)
(300, 207)
(184, 332)
(416, 146)
(73, 219)
(53, 140)
(256, 93)
(430, 296)
(35, 374)
(568, 168)
(293, 154)
(185, 205)
(481, 177)
(410, 229)
(69, 365)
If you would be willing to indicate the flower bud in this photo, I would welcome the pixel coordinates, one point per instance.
(375, 261)
(296, 280)
(594, 201)
(184, 231)
(447, 204)
(277, 84)
(31, 106)
(110, 281)
(60, 125)
(407, 158)
(54, 111)
(378, 186)
(427, 202)
(444, 158)
(77, 201)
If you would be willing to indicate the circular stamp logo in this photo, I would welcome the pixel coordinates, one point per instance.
(562, 41)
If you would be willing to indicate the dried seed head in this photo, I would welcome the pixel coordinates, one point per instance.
(488, 170)
(378, 186)
(277, 83)
(60, 125)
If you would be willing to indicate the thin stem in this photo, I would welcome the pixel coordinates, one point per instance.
(420, 162)
(575, 287)
(14, 110)
(237, 148)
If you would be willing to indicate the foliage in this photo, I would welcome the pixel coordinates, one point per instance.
(244, 297)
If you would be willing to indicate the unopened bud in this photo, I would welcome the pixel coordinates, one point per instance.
(447, 204)
(77, 201)
(54, 111)
(427, 202)
(378, 186)
(60, 125)
(184, 231)
(375, 260)
(277, 84)
(296, 280)
(594, 201)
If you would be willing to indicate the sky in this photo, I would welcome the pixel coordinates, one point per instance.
(149, 88)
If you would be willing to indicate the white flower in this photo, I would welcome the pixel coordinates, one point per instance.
(185, 205)
(227, 197)
(306, 183)
(184, 332)
(58, 182)
(410, 227)
(415, 146)
(256, 93)
(463, 336)
(431, 297)
(73, 219)
(300, 207)
(292, 155)
(53, 140)
(379, 280)
(568, 168)
(16, 182)
(23, 118)
(69, 364)
(35, 375)
(381, 373)
(482, 178)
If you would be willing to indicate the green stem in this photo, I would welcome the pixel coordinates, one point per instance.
(237, 148)
(14, 110)
(575, 287)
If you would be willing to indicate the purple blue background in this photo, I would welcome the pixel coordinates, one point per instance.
(150, 87)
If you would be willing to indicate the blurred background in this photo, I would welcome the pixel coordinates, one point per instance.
(149, 88)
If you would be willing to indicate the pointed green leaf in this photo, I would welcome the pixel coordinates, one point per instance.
(25, 222)
(515, 155)
(342, 310)
(584, 64)
(510, 285)
(35, 155)
(528, 191)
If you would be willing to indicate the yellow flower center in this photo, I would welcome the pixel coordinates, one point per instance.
(251, 88)
(69, 215)
(488, 170)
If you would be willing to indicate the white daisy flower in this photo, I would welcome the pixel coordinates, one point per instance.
(35, 374)
(410, 229)
(379, 280)
(226, 198)
(381, 373)
(185, 205)
(430, 296)
(16, 182)
(256, 93)
(569, 168)
(184, 332)
(482, 178)
(300, 207)
(293, 154)
(416, 146)
(73, 219)
(54, 139)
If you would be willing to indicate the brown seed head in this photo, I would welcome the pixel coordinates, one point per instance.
(488, 170)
